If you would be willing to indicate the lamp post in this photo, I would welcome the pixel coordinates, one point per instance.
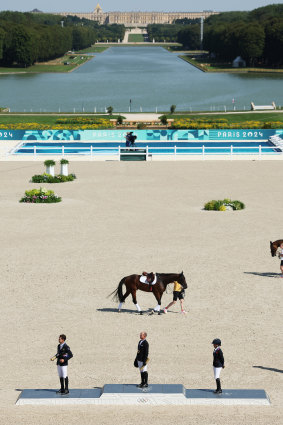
(201, 32)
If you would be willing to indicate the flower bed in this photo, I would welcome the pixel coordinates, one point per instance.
(47, 178)
(226, 204)
(40, 196)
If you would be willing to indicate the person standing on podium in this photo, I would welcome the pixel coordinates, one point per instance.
(142, 359)
(64, 354)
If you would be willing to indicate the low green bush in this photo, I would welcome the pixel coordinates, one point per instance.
(40, 196)
(218, 205)
(47, 178)
(64, 161)
(49, 162)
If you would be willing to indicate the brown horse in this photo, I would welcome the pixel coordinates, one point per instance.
(274, 246)
(133, 284)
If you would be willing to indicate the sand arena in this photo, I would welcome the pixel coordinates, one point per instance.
(60, 261)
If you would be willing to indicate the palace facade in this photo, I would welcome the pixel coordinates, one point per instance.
(138, 18)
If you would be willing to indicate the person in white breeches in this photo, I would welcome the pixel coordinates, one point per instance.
(218, 363)
(63, 355)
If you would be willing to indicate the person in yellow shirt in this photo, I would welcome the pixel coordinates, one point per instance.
(178, 293)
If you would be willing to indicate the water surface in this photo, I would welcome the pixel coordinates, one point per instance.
(150, 77)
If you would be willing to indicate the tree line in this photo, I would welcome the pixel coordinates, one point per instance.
(256, 36)
(170, 32)
(26, 38)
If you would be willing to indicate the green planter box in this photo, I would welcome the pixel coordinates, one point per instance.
(135, 155)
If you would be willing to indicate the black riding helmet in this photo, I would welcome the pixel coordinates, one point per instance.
(216, 341)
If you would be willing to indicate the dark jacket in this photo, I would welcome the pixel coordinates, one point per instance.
(64, 353)
(142, 353)
(218, 358)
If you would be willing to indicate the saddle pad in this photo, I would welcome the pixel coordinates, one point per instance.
(143, 280)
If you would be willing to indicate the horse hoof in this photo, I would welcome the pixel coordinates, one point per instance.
(159, 313)
(141, 313)
(151, 313)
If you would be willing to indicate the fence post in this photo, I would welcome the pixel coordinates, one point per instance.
(91, 152)
(146, 153)
(259, 151)
(231, 152)
(175, 152)
(34, 152)
(63, 151)
(203, 152)
(119, 153)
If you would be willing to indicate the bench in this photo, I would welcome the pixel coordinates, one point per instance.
(271, 107)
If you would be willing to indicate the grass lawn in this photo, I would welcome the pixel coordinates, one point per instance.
(207, 65)
(136, 38)
(232, 117)
(45, 119)
(93, 49)
(56, 65)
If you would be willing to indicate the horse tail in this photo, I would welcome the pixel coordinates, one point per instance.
(118, 293)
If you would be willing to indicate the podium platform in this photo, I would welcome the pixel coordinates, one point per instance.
(154, 395)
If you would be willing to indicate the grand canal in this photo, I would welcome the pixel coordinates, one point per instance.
(143, 78)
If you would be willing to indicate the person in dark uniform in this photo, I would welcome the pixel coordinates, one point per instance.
(141, 359)
(132, 139)
(218, 364)
(64, 354)
(128, 139)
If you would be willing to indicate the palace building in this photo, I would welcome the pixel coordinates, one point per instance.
(138, 18)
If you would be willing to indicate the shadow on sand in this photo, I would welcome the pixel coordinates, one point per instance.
(272, 369)
(267, 274)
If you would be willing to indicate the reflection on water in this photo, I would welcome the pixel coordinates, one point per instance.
(148, 76)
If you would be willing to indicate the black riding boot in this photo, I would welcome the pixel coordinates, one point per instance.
(66, 385)
(142, 381)
(218, 389)
(145, 379)
(61, 391)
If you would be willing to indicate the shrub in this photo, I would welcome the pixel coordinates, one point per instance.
(64, 161)
(47, 178)
(141, 125)
(222, 205)
(163, 119)
(40, 196)
(49, 162)
(119, 120)
(172, 109)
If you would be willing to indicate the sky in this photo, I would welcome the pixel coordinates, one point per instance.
(133, 5)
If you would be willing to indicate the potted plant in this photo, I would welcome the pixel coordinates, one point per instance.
(50, 167)
(64, 167)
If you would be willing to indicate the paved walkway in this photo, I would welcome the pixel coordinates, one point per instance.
(141, 117)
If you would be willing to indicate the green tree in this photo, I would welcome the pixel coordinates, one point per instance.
(2, 35)
(109, 110)
(22, 48)
(251, 39)
(189, 37)
(172, 109)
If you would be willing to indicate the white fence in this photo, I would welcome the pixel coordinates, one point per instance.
(174, 152)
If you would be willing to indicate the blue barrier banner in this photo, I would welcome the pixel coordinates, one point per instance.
(150, 135)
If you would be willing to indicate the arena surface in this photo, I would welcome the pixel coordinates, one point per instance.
(60, 261)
